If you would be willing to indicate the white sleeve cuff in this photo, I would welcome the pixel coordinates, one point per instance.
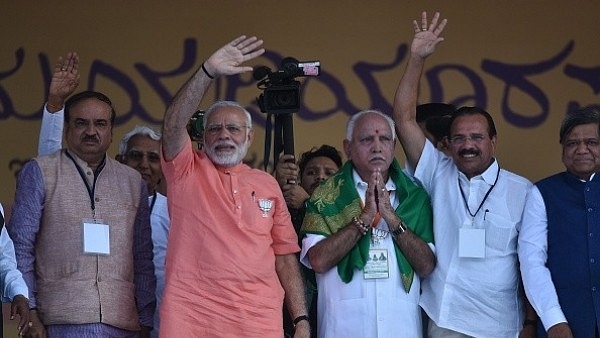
(552, 317)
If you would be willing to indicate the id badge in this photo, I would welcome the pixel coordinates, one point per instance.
(96, 237)
(471, 243)
(377, 264)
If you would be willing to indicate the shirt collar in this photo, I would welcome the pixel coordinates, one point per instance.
(361, 185)
(488, 176)
(591, 178)
(236, 169)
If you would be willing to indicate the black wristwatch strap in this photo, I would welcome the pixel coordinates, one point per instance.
(299, 319)
(400, 230)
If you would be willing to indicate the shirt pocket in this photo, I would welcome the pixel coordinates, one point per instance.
(258, 219)
(500, 234)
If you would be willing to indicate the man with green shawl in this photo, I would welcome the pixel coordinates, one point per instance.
(369, 238)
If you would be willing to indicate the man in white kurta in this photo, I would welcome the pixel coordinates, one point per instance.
(474, 288)
(368, 252)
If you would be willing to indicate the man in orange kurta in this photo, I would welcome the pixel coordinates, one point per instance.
(231, 256)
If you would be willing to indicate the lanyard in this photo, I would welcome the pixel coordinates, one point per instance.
(91, 189)
(462, 193)
(152, 202)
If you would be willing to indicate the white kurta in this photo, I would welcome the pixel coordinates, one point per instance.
(475, 296)
(366, 308)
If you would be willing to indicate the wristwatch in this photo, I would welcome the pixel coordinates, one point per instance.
(400, 230)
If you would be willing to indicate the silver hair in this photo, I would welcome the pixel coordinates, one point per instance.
(138, 131)
(232, 104)
(352, 122)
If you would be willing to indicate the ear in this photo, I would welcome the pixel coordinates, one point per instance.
(347, 149)
(250, 136)
(493, 141)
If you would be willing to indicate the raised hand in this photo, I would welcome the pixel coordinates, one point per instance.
(427, 35)
(384, 207)
(370, 209)
(227, 59)
(65, 80)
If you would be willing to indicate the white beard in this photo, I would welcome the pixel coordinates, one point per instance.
(227, 159)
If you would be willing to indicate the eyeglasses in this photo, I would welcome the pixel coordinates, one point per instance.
(233, 129)
(138, 156)
(589, 142)
(461, 139)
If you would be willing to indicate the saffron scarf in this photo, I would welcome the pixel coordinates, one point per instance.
(335, 202)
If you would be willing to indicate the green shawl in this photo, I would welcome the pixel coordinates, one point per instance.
(335, 202)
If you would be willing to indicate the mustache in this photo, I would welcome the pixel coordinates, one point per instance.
(469, 151)
(224, 143)
(90, 138)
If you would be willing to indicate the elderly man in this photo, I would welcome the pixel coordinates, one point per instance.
(81, 229)
(231, 255)
(140, 150)
(367, 233)
(558, 241)
(477, 208)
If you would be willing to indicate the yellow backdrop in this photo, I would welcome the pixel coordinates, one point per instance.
(526, 62)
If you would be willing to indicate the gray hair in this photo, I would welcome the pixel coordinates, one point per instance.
(578, 117)
(138, 131)
(232, 104)
(352, 122)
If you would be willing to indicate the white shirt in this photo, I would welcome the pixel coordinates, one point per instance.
(475, 296)
(160, 223)
(11, 280)
(366, 308)
(533, 247)
(51, 131)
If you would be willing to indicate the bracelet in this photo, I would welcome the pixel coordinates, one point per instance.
(532, 322)
(206, 72)
(299, 319)
(48, 104)
(401, 229)
(362, 227)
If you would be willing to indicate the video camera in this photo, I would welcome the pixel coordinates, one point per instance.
(281, 98)
(281, 92)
